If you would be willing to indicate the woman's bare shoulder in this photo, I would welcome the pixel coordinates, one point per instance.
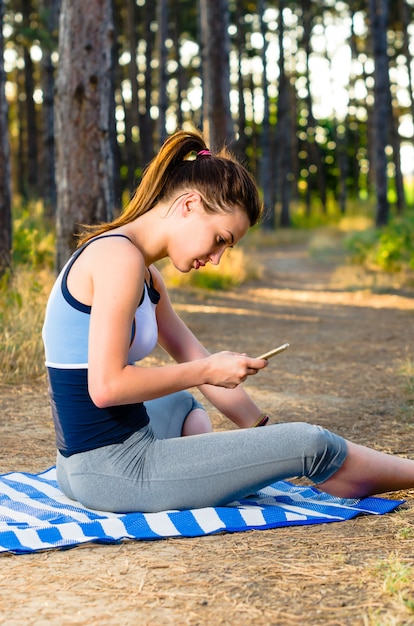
(118, 251)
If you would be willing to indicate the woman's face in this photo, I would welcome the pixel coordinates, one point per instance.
(202, 237)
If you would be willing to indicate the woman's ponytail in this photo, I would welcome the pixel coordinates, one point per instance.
(184, 163)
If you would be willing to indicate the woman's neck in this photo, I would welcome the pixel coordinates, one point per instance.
(147, 232)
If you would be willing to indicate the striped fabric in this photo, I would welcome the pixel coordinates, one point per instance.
(35, 515)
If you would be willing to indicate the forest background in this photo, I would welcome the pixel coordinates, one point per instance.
(315, 97)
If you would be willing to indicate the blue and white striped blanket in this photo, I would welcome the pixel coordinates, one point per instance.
(35, 515)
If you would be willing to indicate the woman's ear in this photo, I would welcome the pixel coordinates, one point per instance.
(191, 202)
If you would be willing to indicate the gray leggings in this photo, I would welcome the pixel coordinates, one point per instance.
(156, 469)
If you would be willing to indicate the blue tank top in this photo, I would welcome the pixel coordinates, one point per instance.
(79, 424)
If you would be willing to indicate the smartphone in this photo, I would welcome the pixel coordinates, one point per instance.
(268, 355)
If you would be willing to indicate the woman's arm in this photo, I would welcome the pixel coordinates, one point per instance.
(117, 272)
(180, 343)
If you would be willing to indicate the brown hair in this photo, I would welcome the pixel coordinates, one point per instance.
(222, 182)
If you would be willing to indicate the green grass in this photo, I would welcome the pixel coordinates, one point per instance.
(23, 298)
(397, 577)
(23, 295)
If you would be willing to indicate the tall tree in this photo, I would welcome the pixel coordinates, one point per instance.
(5, 190)
(131, 108)
(406, 13)
(113, 133)
(162, 35)
(283, 142)
(378, 15)
(241, 53)
(84, 167)
(406, 18)
(396, 24)
(266, 165)
(50, 14)
(31, 116)
(313, 151)
(176, 27)
(146, 123)
(217, 121)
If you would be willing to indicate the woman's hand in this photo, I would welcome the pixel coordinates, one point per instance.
(229, 369)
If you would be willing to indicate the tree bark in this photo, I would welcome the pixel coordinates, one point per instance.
(146, 125)
(266, 166)
(162, 34)
(378, 14)
(217, 121)
(283, 164)
(241, 51)
(314, 153)
(5, 173)
(176, 29)
(84, 164)
(31, 116)
(51, 10)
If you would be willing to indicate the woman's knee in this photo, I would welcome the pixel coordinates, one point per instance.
(197, 422)
(168, 414)
(324, 452)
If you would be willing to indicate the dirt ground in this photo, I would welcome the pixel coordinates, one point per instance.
(344, 370)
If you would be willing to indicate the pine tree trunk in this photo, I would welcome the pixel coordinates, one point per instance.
(162, 15)
(31, 117)
(241, 50)
(265, 165)
(131, 107)
(283, 164)
(146, 124)
(84, 167)
(5, 175)
(314, 154)
(378, 13)
(217, 120)
(176, 30)
(51, 10)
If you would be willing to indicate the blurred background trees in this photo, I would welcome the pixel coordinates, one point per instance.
(5, 179)
(315, 97)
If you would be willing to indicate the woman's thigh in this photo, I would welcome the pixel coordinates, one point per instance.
(149, 474)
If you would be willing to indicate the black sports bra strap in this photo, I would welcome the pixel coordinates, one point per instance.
(153, 293)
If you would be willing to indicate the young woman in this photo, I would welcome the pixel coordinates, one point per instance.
(130, 437)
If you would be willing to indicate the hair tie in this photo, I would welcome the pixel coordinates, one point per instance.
(203, 153)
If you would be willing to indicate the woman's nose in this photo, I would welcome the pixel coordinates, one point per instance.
(216, 257)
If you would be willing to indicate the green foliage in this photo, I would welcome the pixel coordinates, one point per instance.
(390, 248)
(23, 295)
(301, 219)
(409, 192)
(212, 280)
(234, 269)
(33, 239)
